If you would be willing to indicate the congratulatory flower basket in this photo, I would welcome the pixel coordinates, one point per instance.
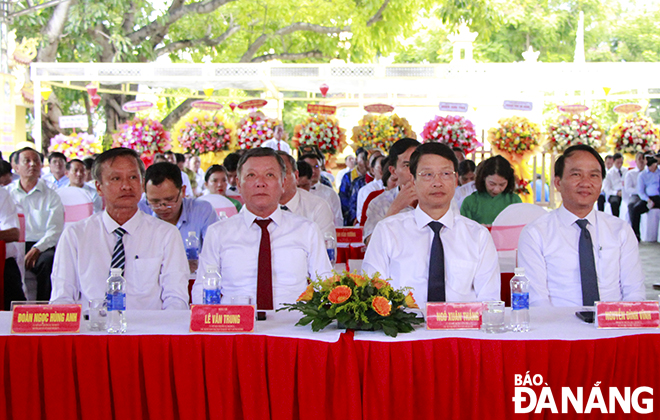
(357, 302)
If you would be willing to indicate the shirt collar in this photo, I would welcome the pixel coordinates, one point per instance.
(250, 217)
(567, 218)
(422, 218)
(130, 226)
(294, 203)
(186, 208)
(38, 187)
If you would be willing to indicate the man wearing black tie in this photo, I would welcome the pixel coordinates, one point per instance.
(444, 256)
(575, 256)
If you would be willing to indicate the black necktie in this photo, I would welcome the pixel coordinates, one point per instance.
(285, 208)
(436, 288)
(118, 256)
(620, 174)
(587, 266)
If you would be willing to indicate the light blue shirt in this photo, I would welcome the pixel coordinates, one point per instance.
(196, 216)
(648, 184)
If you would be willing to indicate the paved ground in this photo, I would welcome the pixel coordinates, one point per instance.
(649, 252)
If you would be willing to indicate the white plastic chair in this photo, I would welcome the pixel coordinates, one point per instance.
(77, 204)
(220, 204)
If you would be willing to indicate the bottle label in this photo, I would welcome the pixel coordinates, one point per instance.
(211, 297)
(331, 254)
(116, 301)
(519, 301)
(192, 253)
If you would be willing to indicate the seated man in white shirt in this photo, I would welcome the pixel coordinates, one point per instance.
(149, 250)
(444, 256)
(57, 177)
(75, 171)
(278, 142)
(44, 218)
(323, 191)
(574, 256)
(303, 203)
(263, 251)
(10, 233)
(613, 184)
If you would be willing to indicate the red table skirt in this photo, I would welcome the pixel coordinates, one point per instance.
(258, 377)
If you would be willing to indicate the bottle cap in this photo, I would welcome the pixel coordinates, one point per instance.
(328, 235)
(519, 271)
(222, 214)
(116, 272)
(211, 268)
(191, 233)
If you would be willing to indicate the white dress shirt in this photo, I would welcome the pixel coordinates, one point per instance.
(548, 250)
(44, 213)
(375, 185)
(186, 181)
(156, 268)
(8, 220)
(277, 145)
(332, 198)
(313, 208)
(613, 181)
(463, 191)
(94, 196)
(630, 184)
(232, 245)
(400, 249)
(377, 210)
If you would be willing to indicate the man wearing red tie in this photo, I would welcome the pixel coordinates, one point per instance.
(263, 252)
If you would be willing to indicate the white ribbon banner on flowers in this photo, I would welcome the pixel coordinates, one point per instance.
(73, 121)
(453, 107)
(518, 105)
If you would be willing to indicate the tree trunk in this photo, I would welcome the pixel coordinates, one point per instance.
(178, 112)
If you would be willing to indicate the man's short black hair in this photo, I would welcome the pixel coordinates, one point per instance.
(5, 167)
(111, 155)
(56, 155)
(261, 152)
(310, 156)
(213, 169)
(496, 165)
(560, 163)
(433, 148)
(231, 162)
(88, 162)
(399, 148)
(362, 152)
(180, 158)
(609, 157)
(466, 166)
(72, 161)
(17, 154)
(159, 172)
(286, 156)
(304, 169)
(617, 155)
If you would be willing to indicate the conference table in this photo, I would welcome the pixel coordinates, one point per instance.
(160, 370)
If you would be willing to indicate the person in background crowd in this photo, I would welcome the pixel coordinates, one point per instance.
(466, 177)
(352, 181)
(425, 248)
(648, 190)
(231, 164)
(263, 251)
(613, 184)
(376, 167)
(89, 162)
(304, 175)
(12, 158)
(5, 173)
(389, 181)
(149, 250)
(575, 256)
(165, 199)
(192, 177)
(278, 142)
(609, 162)
(216, 183)
(44, 217)
(396, 200)
(160, 157)
(495, 183)
(195, 166)
(323, 191)
(57, 177)
(172, 157)
(460, 154)
(10, 234)
(304, 203)
(350, 164)
(630, 195)
(75, 171)
(540, 187)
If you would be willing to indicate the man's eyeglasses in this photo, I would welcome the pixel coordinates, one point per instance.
(429, 176)
(165, 204)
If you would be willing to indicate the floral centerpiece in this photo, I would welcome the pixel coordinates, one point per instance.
(452, 130)
(357, 302)
(200, 132)
(75, 146)
(145, 136)
(321, 130)
(381, 131)
(254, 129)
(634, 133)
(569, 130)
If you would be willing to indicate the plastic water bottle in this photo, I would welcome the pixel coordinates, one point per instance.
(222, 215)
(519, 301)
(331, 247)
(115, 297)
(211, 281)
(192, 251)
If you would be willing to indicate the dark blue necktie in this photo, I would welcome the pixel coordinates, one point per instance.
(587, 266)
(118, 257)
(436, 288)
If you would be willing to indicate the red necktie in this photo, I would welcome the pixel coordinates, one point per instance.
(265, 270)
